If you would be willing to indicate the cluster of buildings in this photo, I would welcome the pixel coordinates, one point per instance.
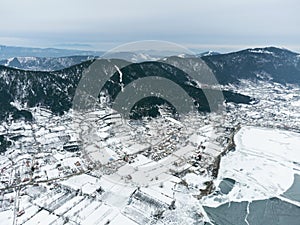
(97, 168)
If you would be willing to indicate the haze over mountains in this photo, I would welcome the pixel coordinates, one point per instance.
(7, 52)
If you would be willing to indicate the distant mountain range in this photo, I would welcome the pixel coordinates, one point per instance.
(7, 52)
(208, 53)
(279, 65)
(43, 63)
(54, 86)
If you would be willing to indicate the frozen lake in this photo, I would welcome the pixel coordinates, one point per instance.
(259, 182)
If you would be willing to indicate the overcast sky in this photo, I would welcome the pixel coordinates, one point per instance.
(221, 25)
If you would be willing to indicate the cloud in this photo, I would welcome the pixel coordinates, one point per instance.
(94, 22)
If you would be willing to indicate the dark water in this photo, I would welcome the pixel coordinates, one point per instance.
(226, 185)
(294, 192)
(262, 212)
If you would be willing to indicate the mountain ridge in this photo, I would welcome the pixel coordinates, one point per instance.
(271, 63)
(44, 63)
(55, 89)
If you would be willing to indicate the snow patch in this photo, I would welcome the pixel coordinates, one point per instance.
(261, 51)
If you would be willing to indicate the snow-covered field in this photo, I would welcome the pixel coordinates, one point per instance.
(263, 166)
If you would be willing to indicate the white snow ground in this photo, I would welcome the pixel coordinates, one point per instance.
(263, 166)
